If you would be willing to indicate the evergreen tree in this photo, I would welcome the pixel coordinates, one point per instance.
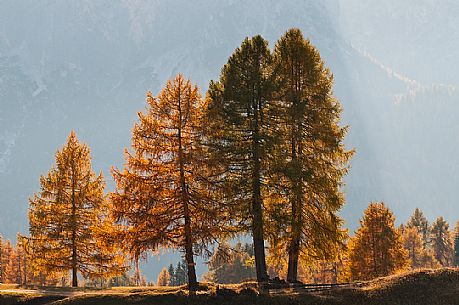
(65, 216)
(162, 198)
(238, 117)
(163, 278)
(171, 271)
(377, 247)
(181, 272)
(310, 157)
(231, 265)
(421, 224)
(441, 242)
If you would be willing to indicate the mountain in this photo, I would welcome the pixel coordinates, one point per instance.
(86, 65)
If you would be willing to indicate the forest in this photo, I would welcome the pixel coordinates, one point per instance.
(260, 157)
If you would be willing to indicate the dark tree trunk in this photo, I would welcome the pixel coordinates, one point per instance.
(257, 204)
(189, 255)
(293, 257)
(296, 220)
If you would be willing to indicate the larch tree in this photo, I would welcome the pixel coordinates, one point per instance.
(310, 159)
(377, 247)
(163, 278)
(1, 259)
(419, 221)
(442, 245)
(65, 217)
(6, 253)
(420, 257)
(456, 245)
(238, 125)
(163, 198)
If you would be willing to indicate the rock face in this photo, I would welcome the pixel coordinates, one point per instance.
(86, 66)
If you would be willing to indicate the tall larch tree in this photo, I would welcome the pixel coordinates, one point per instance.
(310, 157)
(442, 245)
(65, 216)
(377, 247)
(163, 198)
(238, 121)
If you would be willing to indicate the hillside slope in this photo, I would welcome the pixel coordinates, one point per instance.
(414, 288)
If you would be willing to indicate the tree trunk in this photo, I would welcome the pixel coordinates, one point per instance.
(257, 216)
(74, 228)
(74, 276)
(258, 242)
(293, 258)
(294, 246)
(24, 264)
(189, 255)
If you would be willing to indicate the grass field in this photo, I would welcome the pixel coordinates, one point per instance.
(426, 287)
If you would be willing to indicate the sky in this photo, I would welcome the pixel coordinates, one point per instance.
(87, 65)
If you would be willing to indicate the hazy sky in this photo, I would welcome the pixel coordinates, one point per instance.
(86, 65)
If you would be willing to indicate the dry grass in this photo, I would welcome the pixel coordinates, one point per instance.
(424, 287)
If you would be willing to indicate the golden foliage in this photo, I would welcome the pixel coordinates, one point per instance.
(377, 247)
(163, 197)
(68, 218)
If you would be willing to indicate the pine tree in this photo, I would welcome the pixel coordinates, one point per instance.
(377, 247)
(441, 242)
(163, 278)
(419, 222)
(238, 117)
(65, 216)
(310, 157)
(231, 265)
(162, 198)
(171, 271)
(181, 272)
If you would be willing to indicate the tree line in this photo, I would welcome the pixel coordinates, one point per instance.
(378, 248)
(262, 153)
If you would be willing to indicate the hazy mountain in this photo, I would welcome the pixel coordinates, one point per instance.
(86, 65)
